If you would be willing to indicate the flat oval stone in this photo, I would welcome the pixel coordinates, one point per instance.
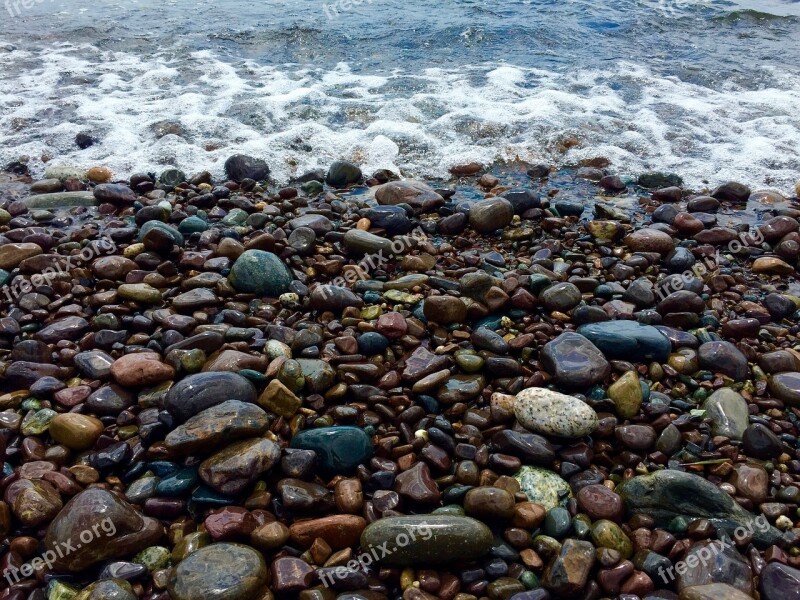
(427, 539)
(219, 572)
(552, 413)
(628, 340)
(198, 392)
(76, 431)
(339, 449)
(728, 413)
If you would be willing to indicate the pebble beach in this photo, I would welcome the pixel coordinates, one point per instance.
(521, 382)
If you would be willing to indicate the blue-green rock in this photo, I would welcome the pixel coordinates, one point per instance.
(628, 340)
(339, 449)
(178, 484)
(261, 273)
(177, 236)
(192, 225)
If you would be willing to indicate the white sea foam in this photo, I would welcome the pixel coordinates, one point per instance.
(299, 118)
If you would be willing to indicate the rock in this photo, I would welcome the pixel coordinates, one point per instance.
(568, 572)
(607, 534)
(69, 328)
(626, 392)
(599, 502)
(393, 219)
(279, 399)
(261, 273)
(725, 565)
(419, 196)
(562, 297)
(13, 254)
(219, 572)
(141, 369)
(143, 293)
(723, 357)
(122, 532)
(552, 413)
(628, 340)
(664, 495)
(291, 575)
(32, 502)
(340, 450)
(233, 469)
(574, 361)
(417, 485)
(201, 391)
(240, 167)
(531, 448)
(108, 589)
(732, 192)
(333, 298)
(522, 200)
(771, 265)
(365, 243)
(491, 214)
(94, 364)
(490, 503)
(751, 481)
(60, 200)
(318, 374)
(228, 421)
(342, 173)
(113, 267)
(338, 531)
(543, 486)
(759, 442)
(650, 240)
(779, 582)
(428, 539)
(76, 431)
(115, 193)
(444, 310)
(786, 386)
(728, 413)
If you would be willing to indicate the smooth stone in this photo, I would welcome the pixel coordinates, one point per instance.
(140, 292)
(393, 219)
(562, 297)
(261, 273)
(786, 387)
(725, 566)
(279, 399)
(417, 485)
(94, 364)
(231, 420)
(164, 233)
(116, 193)
(233, 469)
(418, 195)
(626, 392)
(628, 340)
(728, 413)
(334, 298)
(123, 530)
(667, 494)
(574, 361)
(542, 486)
(241, 166)
(340, 450)
(76, 431)
(61, 200)
(551, 413)
(109, 589)
(338, 531)
(713, 591)
(444, 310)
(198, 392)
(33, 502)
(342, 173)
(437, 539)
(650, 240)
(490, 214)
(723, 357)
(318, 374)
(607, 534)
(113, 267)
(219, 572)
(759, 442)
(599, 502)
(365, 243)
(69, 328)
(141, 369)
(779, 582)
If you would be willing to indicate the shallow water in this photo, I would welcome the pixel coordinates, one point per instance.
(707, 89)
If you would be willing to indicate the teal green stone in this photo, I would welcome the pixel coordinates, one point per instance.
(340, 450)
(678, 525)
(491, 322)
(254, 376)
(628, 340)
(192, 225)
(538, 283)
(530, 580)
(31, 404)
(312, 188)
(177, 236)
(557, 522)
(236, 217)
(172, 177)
(58, 590)
(450, 509)
(4, 276)
(207, 496)
(178, 484)
(261, 273)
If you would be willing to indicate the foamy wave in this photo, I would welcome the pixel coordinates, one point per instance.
(299, 117)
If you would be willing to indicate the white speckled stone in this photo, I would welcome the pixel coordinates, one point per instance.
(543, 487)
(552, 413)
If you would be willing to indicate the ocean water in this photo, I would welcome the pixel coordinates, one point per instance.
(708, 89)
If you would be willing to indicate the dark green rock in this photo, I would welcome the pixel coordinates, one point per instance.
(628, 340)
(177, 236)
(431, 539)
(178, 484)
(219, 572)
(342, 173)
(339, 449)
(261, 273)
(665, 495)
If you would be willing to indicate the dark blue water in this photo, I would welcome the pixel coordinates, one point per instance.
(706, 88)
